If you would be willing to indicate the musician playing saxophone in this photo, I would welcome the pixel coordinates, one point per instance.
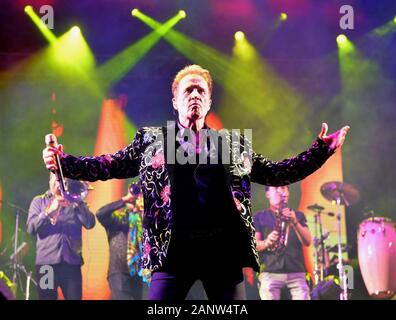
(281, 233)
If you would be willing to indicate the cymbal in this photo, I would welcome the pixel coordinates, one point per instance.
(346, 193)
(315, 207)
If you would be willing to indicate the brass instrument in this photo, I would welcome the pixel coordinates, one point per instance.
(72, 190)
(282, 227)
(77, 190)
(135, 190)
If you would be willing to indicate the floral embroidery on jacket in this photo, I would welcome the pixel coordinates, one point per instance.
(165, 194)
(158, 160)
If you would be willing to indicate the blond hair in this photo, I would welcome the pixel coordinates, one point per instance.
(192, 69)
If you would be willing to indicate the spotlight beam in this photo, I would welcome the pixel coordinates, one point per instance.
(162, 29)
(386, 29)
(114, 69)
(47, 33)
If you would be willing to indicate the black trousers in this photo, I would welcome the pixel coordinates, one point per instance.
(213, 259)
(219, 286)
(66, 276)
(125, 287)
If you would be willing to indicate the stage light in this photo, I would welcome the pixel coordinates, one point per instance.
(394, 20)
(28, 9)
(75, 31)
(342, 39)
(283, 16)
(345, 46)
(239, 36)
(182, 14)
(135, 12)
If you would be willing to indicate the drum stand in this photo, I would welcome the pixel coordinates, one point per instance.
(29, 279)
(341, 271)
(14, 259)
(319, 271)
(18, 267)
(343, 194)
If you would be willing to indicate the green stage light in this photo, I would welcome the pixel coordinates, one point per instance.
(283, 16)
(342, 39)
(247, 72)
(182, 14)
(115, 68)
(239, 36)
(386, 29)
(28, 9)
(345, 46)
(135, 12)
(75, 31)
(40, 24)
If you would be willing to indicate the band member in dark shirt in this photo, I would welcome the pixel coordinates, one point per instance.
(282, 260)
(57, 225)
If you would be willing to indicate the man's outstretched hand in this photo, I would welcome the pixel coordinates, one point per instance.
(334, 140)
(49, 156)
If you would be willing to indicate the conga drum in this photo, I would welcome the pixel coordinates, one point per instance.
(377, 256)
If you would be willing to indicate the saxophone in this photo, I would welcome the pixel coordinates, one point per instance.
(282, 227)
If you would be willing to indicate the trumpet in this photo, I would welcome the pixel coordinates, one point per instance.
(77, 190)
(135, 190)
(72, 190)
(282, 227)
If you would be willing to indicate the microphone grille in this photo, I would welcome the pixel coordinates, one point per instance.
(50, 139)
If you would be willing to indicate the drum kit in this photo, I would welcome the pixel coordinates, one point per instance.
(376, 242)
(10, 288)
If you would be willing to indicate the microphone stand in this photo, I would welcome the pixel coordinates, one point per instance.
(16, 267)
(316, 244)
(14, 260)
(323, 272)
(320, 272)
(341, 271)
(29, 279)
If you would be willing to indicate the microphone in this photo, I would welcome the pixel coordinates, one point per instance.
(51, 141)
